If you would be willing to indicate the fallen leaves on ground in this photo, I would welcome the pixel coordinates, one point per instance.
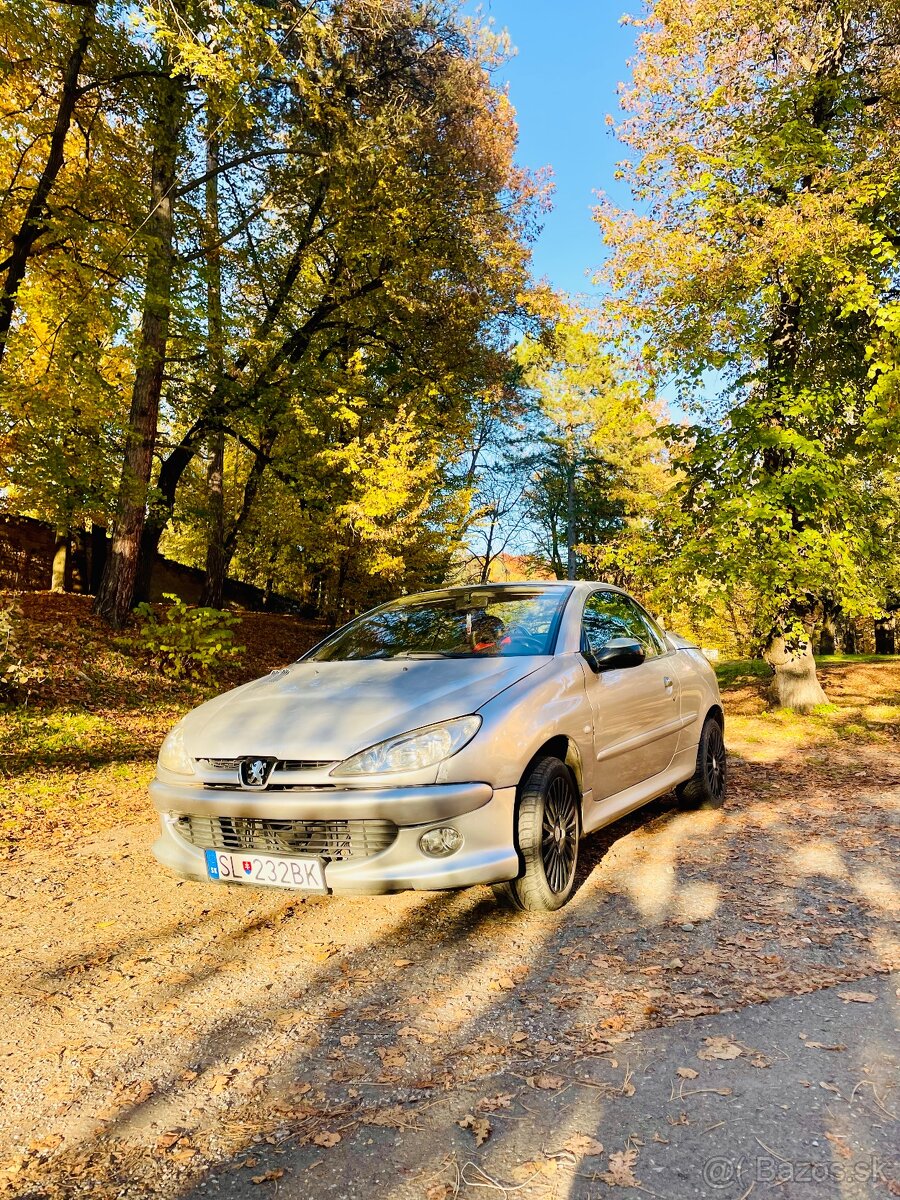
(719, 1048)
(480, 1127)
(620, 1171)
(583, 1146)
(327, 1139)
(548, 1082)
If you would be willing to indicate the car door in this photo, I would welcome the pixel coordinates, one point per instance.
(636, 710)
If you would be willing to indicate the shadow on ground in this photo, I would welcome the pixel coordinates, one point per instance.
(361, 1046)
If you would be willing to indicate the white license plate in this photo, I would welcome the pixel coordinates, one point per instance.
(305, 874)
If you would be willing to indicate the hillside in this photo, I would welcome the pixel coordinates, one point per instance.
(79, 754)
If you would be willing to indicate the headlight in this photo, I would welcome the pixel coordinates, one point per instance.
(412, 751)
(173, 756)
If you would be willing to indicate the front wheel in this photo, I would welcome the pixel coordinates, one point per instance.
(548, 827)
(706, 787)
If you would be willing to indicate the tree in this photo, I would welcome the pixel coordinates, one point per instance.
(32, 224)
(765, 252)
(284, 244)
(489, 467)
(216, 555)
(68, 160)
(116, 592)
(379, 267)
(589, 433)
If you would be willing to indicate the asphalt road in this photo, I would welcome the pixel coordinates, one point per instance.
(795, 1098)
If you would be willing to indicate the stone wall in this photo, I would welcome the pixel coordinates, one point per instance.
(26, 554)
(27, 549)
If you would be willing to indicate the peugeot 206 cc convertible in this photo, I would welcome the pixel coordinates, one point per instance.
(469, 735)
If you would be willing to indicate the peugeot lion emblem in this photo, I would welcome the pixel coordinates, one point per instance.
(254, 772)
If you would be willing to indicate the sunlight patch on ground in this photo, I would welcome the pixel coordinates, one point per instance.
(878, 890)
(697, 901)
(644, 866)
(818, 858)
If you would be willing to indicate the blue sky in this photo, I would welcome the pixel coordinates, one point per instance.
(571, 56)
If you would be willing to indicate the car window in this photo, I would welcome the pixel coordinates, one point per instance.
(482, 622)
(656, 633)
(609, 615)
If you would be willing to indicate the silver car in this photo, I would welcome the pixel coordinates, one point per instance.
(455, 737)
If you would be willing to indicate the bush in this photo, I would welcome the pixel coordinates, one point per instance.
(185, 642)
(15, 677)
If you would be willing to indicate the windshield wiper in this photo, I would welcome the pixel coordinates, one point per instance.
(423, 654)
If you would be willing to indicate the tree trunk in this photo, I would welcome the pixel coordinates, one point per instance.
(486, 564)
(571, 561)
(828, 636)
(251, 488)
(116, 594)
(269, 588)
(796, 684)
(79, 557)
(60, 561)
(214, 584)
(33, 222)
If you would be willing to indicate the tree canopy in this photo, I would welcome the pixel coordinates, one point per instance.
(369, 254)
(761, 262)
(267, 306)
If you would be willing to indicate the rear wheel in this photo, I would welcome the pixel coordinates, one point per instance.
(706, 788)
(548, 827)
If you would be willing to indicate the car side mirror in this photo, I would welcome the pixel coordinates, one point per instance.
(616, 654)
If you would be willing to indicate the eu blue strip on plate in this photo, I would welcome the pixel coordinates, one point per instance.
(212, 864)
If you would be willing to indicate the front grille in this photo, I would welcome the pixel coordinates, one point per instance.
(273, 787)
(286, 764)
(287, 775)
(335, 841)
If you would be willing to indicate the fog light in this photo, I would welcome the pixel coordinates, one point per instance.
(438, 843)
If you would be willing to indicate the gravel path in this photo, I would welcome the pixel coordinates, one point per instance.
(169, 1039)
(798, 1095)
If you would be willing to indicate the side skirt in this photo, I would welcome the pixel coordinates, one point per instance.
(612, 808)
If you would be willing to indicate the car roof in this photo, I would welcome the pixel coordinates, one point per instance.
(529, 585)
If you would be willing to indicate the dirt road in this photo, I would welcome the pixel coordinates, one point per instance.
(157, 1031)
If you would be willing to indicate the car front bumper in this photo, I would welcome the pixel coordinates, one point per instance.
(482, 815)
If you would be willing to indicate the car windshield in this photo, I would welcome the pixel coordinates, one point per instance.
(467, 624)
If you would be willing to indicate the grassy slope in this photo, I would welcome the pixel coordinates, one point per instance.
(731, 670)
(863, 710)
(78, 757)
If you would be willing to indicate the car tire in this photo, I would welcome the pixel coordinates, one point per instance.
(707, 786)
(548, 828)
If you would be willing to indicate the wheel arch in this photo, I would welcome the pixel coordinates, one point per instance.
(717, 713)
(566, 750)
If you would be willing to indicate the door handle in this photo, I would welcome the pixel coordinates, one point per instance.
(668, 683)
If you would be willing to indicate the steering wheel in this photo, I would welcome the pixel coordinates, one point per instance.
(529, 641)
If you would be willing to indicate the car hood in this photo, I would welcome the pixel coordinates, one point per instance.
(330, 710)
